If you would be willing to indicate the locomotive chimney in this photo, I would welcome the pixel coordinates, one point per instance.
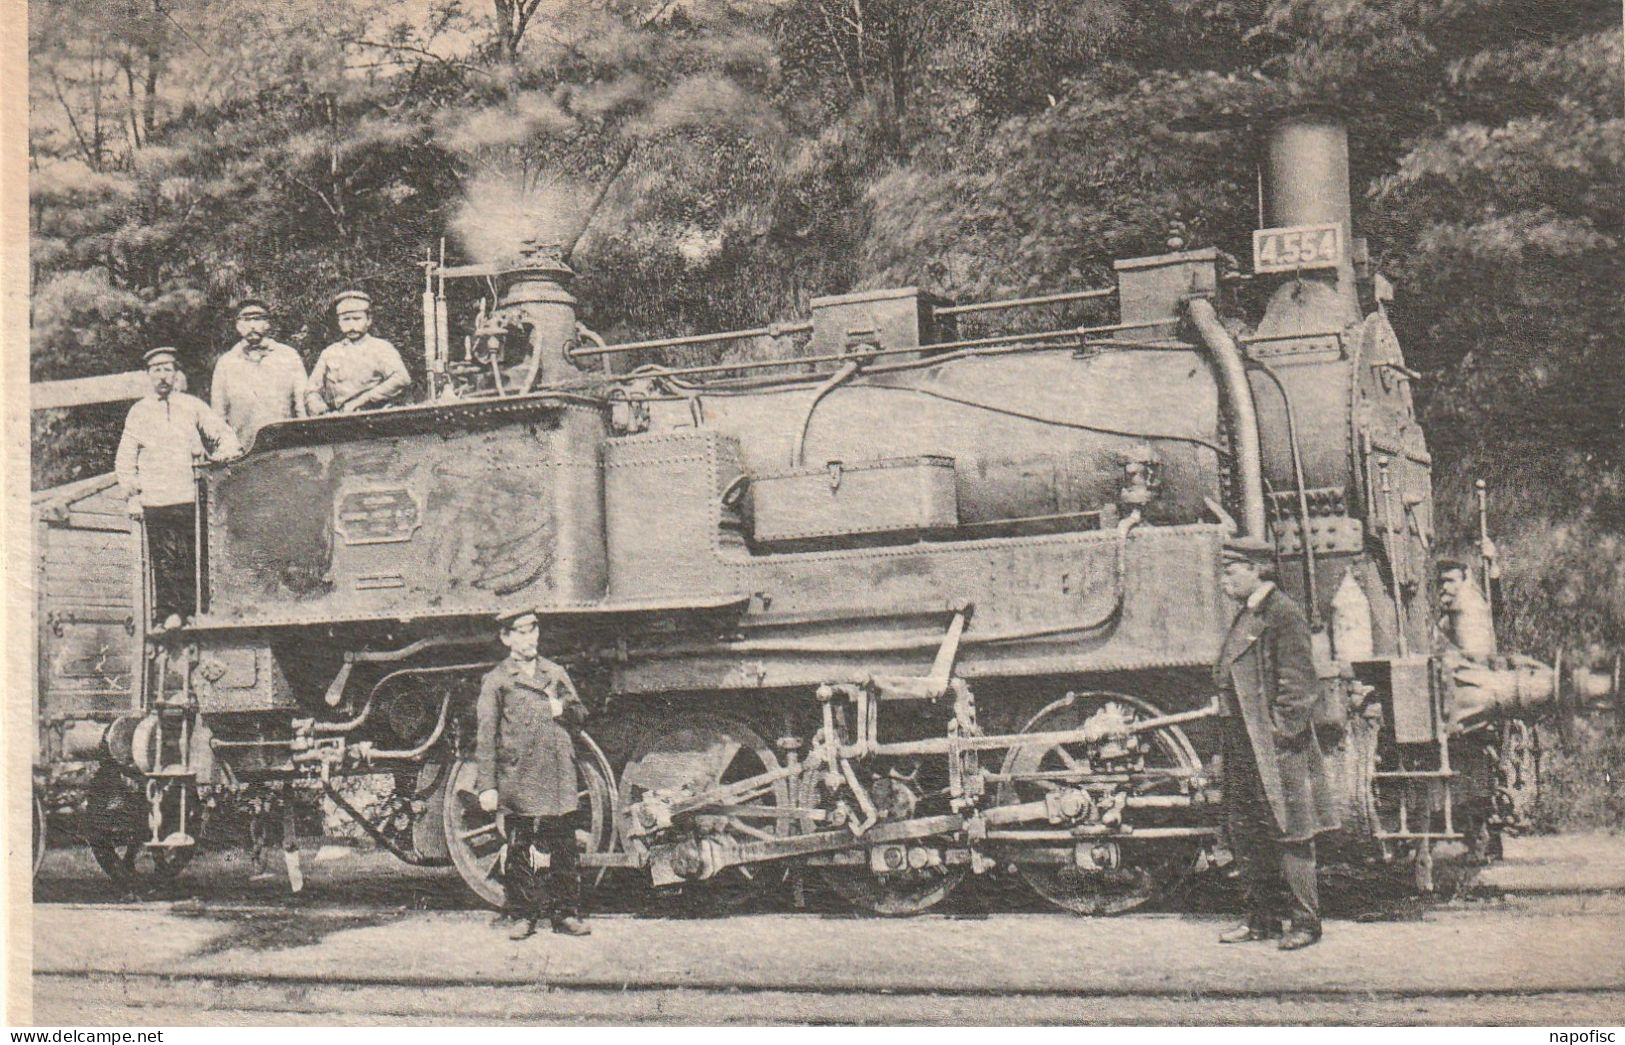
(1304, 181)
(535, 293)
(1306, 171)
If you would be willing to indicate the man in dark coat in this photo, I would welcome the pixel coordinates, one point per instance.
(528, 714)
(1277, 793)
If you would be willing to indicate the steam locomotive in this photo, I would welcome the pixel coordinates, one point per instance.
(897, 603)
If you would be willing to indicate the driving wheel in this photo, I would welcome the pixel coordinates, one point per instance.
(690, 754)
(1127, 875)
(906, 878)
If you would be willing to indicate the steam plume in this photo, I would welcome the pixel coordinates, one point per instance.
(500, 212)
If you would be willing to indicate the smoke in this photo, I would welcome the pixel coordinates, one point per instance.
(500, 211)
(526, 157)
(507, 197)
(516, 124)
(707, 102)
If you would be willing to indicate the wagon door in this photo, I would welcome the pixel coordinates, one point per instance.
(88, 615)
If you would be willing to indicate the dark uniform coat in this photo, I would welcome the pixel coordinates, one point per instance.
(522, 751)
(1267, 663)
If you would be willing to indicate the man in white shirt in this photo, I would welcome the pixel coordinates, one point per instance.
(258, 380)
(165, 434)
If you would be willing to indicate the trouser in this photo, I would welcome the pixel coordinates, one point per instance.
(172, 551)
(1277, 876)
(526, 897)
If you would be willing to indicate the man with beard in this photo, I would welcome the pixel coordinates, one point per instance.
(1465, 620)
(359, 371)
(258, 380)
(1277, 794)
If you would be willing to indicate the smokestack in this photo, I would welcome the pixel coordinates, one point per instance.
(535, 291)
(1304, 180)
(1306, 171)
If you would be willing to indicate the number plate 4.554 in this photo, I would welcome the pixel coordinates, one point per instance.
(1298, 247)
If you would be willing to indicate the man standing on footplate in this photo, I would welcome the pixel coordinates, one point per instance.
(528, 715)
(166, 433)
(1276, 792)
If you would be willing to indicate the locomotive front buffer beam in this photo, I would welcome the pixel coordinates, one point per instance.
(833, 819)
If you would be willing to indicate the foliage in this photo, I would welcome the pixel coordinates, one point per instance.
(1579, 788)
(715, 163)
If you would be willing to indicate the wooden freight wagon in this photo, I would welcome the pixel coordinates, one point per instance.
(88, 618)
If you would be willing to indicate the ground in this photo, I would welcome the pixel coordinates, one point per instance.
(1531, 941)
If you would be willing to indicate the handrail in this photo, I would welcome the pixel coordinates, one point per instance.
(772, 330)
(776, 330)
(1305, 535)
(838, 357)
(1042, 299)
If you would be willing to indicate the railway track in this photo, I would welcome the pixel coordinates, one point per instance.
(1534, 944)
(204, 1001)
(1516, 960)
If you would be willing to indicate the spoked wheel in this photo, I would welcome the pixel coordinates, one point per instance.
(39, 833)
(117, 830)
(695, 752)
(896, 895)
(916, 878)
(474, 837)
(1141, 870)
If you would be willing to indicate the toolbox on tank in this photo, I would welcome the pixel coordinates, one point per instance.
(895, 497)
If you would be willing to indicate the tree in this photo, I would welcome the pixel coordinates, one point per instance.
(512, 19)
(870, 51)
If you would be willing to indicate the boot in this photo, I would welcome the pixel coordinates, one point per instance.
(1256, 927)
(570, 925)
(564, 884)
(524, 930)
(1298, 938)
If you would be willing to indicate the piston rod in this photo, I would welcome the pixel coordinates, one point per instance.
(942, 746)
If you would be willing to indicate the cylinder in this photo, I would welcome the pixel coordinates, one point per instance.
(1594, 689)
(536, 291)
(1512, 687)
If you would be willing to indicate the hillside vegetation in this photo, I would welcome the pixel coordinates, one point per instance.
(716, 164)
